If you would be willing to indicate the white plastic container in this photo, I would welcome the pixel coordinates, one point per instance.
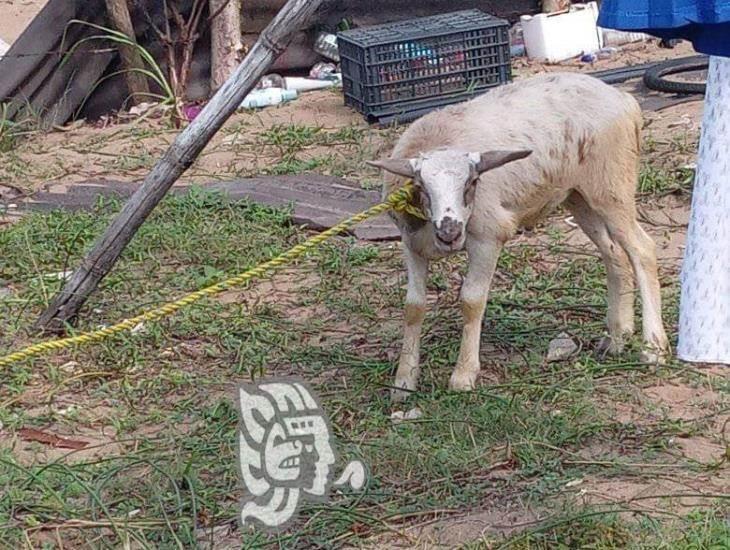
(267, 96)
(555, 37)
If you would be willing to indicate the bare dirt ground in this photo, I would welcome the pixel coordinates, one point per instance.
(16, 14)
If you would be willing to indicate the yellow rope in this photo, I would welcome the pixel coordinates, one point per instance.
(400, 200)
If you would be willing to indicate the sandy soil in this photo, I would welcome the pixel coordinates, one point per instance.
(16, 14)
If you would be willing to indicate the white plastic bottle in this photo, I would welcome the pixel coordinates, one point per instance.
(307, 84)
(266, 97)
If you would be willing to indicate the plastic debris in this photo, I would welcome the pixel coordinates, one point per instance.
(301, 84)
(518, 50)
(399, 416)
(267, 97)
(191, 112)
(271, 81)
(323, 71)
(326, 45)
(561, 348)
(618, 38)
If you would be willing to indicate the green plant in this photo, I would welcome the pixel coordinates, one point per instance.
(153, 71)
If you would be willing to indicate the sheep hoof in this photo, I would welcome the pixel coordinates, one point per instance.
(401, 391)
(609, 346)
(463, 380)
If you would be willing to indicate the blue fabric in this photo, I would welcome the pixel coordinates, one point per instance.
(706, 23)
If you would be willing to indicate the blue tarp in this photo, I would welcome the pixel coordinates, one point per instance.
(706, 23)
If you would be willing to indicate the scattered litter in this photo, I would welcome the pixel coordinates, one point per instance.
(31, 434)
(690, 166)
(323, 71)
(326, 45)
(570, 220)
(272, 80)
(266, 97)
(517, 50)
(191, 112)
(561, 348)
(139, 328)
(300, 84)
(589, 58)
(60, 276)
(4, 47)
(399, 416)
(611, 37)
(574, 483)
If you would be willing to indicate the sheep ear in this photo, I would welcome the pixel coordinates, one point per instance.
(399, 167)
(494, 159)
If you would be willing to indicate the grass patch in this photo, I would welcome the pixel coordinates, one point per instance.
(158, 404)
(657, 181)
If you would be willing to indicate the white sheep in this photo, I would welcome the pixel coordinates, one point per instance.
(499, 162)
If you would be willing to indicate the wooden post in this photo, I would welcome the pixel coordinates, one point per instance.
(225, 31)
(178, 158)
(118, 13)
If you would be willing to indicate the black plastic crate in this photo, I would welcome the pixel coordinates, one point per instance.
(421, 64)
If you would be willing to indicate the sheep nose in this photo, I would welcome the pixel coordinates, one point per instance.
(449, 230)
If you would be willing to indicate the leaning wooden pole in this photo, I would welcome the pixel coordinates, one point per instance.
(295, 15)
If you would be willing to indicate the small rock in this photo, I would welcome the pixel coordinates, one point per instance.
(561, 348)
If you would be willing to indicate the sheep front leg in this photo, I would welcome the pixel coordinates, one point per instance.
(483, 258)
(406, 377)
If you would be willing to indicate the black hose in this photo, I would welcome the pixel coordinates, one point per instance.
(654, 78)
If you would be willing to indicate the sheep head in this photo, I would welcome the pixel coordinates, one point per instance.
(446, 181)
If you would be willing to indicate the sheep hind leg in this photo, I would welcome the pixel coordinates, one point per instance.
(618, 270)
(623, 228)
